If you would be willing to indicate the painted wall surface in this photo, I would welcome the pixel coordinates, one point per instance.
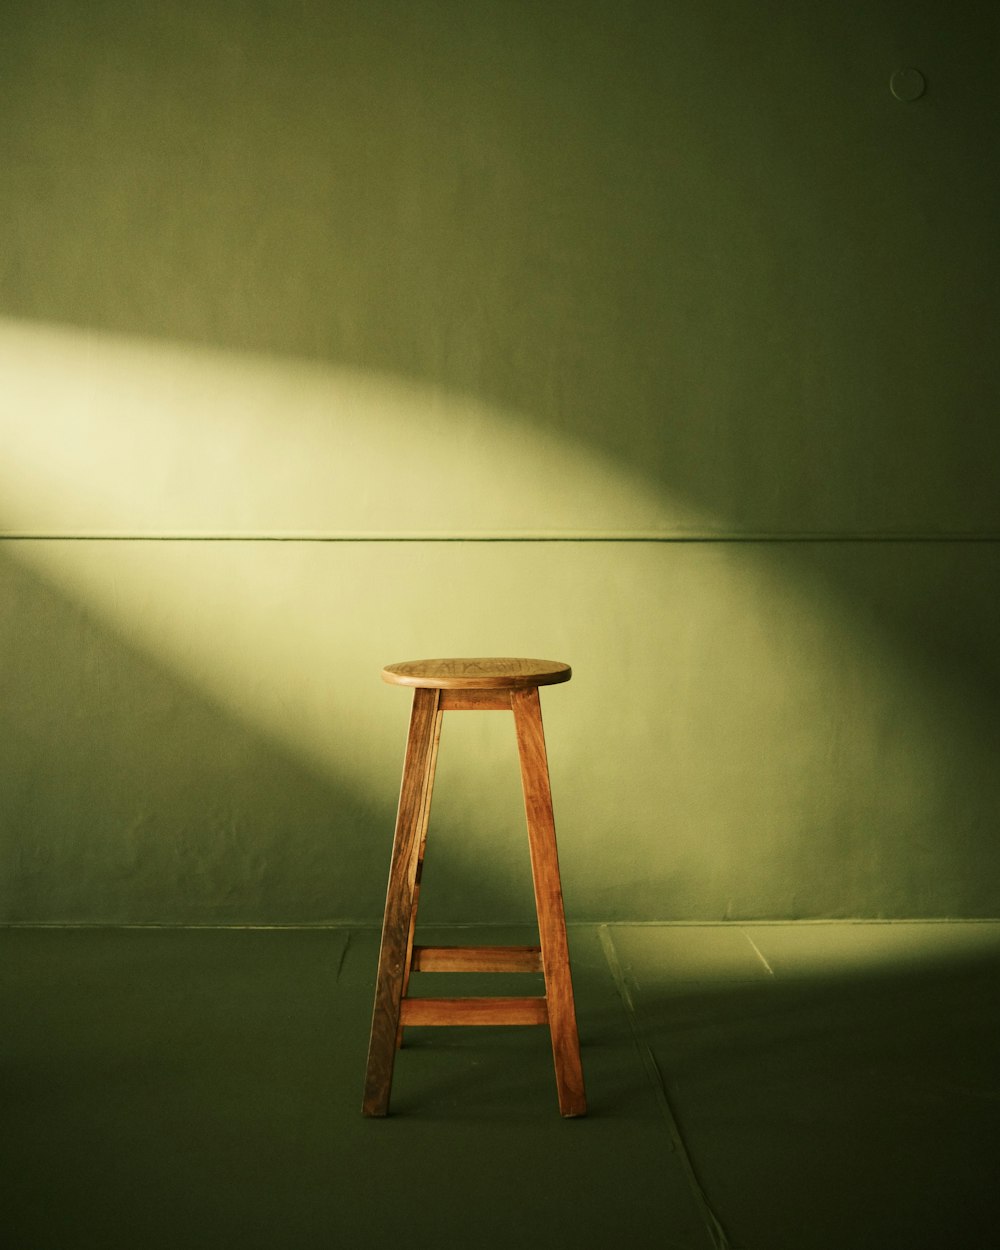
(656, 338)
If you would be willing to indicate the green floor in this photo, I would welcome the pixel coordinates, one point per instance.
(759, 1087)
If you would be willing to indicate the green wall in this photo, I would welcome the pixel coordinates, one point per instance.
(656, 337)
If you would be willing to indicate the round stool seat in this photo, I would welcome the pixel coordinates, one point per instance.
(489, 673)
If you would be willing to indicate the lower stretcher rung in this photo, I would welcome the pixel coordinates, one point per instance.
(497, 1010)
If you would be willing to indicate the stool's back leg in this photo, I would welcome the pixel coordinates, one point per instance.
(425, 816)
(549, 901)
(413, 807)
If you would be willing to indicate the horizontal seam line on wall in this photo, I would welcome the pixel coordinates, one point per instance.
(181, 536)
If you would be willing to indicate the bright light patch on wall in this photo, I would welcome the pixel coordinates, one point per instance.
(103, 434)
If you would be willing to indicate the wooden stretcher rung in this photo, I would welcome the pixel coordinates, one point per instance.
(476, 959)
(445, 1011)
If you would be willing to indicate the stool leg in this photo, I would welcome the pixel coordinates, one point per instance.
(413, 807)
(425, 815)
(549, 901)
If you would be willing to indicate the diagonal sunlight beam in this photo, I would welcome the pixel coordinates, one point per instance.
(104, 436)
(734, 729)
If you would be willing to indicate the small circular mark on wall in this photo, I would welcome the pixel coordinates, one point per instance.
(907, 84)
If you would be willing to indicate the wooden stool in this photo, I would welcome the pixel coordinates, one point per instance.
(481, 685)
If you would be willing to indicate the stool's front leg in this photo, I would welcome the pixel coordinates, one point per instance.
(425, 815)
(410, 818)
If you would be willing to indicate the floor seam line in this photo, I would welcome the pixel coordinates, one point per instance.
(758, 952)
(343, 956)
(716, 1232)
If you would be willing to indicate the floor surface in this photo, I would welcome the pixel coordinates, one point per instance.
(758, 1087)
